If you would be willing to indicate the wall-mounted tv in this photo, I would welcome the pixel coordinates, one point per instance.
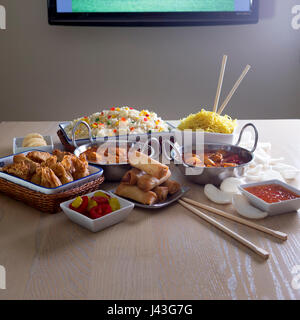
(152, 12)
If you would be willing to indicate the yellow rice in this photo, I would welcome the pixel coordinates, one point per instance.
(209, 122)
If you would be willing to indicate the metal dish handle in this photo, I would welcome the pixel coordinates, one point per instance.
(255, 137)
(144, 147)
(165, 153)
(154, 150)
(74, 132)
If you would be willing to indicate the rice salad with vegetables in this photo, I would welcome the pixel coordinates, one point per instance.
(118, 121)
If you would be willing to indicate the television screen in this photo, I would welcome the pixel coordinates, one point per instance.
(118, 12)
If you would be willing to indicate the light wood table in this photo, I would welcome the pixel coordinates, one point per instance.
(165, 254)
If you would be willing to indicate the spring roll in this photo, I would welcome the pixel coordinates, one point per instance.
(172, 185)
(161, 192)
(143, 162)
(131, 177)
(147, 182)
(134, 193)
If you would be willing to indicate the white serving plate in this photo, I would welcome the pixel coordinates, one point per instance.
(209, 137)
(272, 208)
(100, 223)
(129, 137)
(17, 145)
(95, 171)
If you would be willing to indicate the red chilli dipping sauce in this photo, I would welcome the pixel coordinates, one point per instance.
(272, 193)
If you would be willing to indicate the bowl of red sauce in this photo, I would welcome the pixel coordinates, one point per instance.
(272, 196)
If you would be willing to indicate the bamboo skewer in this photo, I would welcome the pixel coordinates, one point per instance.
(220, 83)
(274, 233)
(261, 252)
(231, 93)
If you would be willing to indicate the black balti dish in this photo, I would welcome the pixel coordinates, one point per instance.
(214, 175)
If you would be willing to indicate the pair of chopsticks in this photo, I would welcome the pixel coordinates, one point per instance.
(187, 203)
(220, 83)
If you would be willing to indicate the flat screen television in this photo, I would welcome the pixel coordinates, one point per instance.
(152, 12)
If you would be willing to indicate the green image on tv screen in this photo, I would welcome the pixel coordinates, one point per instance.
(104, 6)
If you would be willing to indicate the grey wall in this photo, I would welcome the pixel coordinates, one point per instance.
(54, 73)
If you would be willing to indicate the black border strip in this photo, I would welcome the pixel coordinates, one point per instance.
(152, 18)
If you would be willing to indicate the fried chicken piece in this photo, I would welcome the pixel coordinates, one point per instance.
(38, 156)
(62, 173)
(21, 170)
(67, 163)
(19, 158)
(58, 169)
(81, 167)
(83, 159)
(77, 167)
(60, 154)
(37, 177)
(51, 161)
(47, 178)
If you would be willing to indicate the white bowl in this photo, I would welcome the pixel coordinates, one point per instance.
(18, 142)
(276, 207)
(206, 137)
(108, 220)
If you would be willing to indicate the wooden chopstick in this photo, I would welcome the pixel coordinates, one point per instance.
(231, 93)
(274, 233)
(219, 88)
(261, 252)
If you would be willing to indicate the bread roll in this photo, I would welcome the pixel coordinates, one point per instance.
(147, 182)
(134, 193)
(143, 162)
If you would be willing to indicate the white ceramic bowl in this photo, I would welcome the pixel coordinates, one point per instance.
(103, 222)
(209, 137)
(272, 208)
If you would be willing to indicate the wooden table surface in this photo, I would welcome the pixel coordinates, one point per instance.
(165, 254)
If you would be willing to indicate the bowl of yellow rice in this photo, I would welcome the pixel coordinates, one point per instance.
(213, 127)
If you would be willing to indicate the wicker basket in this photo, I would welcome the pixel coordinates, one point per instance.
(44, 202)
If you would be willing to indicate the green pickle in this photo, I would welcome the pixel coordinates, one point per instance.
(114, 203)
